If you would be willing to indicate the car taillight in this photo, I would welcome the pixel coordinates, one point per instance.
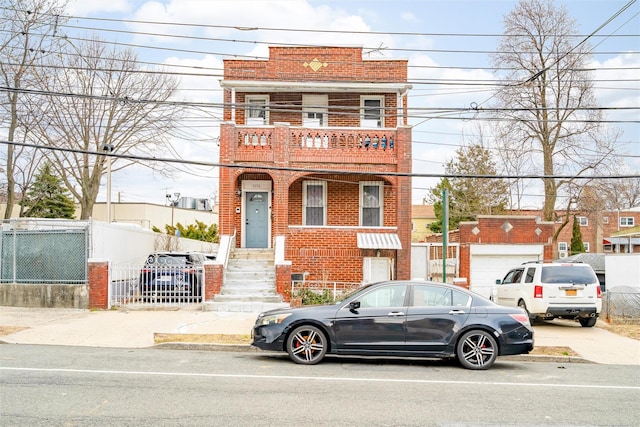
(537, 291)
(599, 291)
(522, 318)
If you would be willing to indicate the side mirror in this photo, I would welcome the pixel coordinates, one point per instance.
(354, 305)
(498, 282)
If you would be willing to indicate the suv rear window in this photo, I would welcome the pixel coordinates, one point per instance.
(568, 274)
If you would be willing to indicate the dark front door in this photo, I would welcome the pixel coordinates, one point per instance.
(257, 220)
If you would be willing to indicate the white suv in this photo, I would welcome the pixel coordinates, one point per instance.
(549, 290)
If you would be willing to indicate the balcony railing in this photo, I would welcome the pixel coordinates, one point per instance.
(342, 145)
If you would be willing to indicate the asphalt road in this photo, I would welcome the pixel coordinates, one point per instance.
(88, 386)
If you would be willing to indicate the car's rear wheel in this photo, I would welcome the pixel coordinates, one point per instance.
(307, 345)
(523, 306)
(477, 349)
(588, 322)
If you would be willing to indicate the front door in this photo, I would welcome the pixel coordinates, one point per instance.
(257, 219)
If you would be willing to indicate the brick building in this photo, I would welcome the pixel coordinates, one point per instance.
(598, 229)
(316, 152)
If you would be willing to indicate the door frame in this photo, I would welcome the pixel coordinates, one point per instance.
(262, 186)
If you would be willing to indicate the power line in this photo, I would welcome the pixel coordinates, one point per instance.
(250, 166)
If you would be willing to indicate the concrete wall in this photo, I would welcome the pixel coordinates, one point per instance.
(622, 270)
(44, 295)
(128, 244)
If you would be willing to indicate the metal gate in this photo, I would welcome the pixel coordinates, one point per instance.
(167, 285)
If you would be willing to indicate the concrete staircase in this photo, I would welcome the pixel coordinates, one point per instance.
(249, 284)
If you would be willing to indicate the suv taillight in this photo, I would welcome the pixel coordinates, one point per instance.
(537, 291)
(599, 291)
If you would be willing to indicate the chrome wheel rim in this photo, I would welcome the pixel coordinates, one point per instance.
(307, 345)
(477, 350)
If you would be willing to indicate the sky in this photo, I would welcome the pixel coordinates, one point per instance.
(437, 41)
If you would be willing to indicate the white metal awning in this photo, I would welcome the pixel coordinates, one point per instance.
(379, 241)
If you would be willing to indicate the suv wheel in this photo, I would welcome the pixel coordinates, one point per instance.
(523, 306)
(588, 322)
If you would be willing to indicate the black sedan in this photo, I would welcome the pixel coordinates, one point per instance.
(399, 318)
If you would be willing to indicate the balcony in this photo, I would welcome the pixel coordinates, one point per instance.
(319, 145)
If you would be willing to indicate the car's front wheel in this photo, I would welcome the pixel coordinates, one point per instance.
(307, 345)
(477, 350)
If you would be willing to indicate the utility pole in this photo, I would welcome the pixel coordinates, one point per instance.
(445, 232)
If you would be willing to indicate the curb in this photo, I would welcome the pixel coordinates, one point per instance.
(248, 348)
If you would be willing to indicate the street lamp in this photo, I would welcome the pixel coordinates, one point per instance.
(108, 148)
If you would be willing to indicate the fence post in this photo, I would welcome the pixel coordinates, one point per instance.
(98, 283)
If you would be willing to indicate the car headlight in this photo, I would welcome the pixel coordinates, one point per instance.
(273, 319)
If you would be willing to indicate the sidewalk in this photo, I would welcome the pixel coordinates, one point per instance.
(135, 329)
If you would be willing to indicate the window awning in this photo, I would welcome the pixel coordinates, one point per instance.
(379, 241)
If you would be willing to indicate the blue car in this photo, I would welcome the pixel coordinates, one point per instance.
(399, 319)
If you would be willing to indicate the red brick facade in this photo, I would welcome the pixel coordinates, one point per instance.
(596, 229)
(281, 155)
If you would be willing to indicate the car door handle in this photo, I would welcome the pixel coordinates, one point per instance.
(395, 313)
(456, 312)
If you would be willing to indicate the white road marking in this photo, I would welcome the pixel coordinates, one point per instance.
(306, 378)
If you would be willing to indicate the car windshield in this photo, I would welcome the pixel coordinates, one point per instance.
(568, 274)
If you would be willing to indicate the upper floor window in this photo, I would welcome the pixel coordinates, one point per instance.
(582, 220)
(372, 111)
(626, 221)
(314, 202)
(314, 110)
(605, 220)
(371, 201)
(257, 110)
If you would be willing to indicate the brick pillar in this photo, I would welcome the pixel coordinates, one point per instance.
(98, 284)
(283, 280)
(403, 208)
(227, 197)
(213, 275)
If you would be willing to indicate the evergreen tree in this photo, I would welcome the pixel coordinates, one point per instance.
(47, 197)
(469, 196)
(577, 246)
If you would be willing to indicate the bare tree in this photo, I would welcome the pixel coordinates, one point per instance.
(621, 194)
(103, 100)
(26, 30)
(548, 110)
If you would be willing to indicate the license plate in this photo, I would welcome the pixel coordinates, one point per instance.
(571, 292)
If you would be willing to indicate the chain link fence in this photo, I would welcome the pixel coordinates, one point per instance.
(44, 251)
(622, 305)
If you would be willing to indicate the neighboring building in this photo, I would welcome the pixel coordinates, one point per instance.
(421, 217)
(602, 232)
(147, 215)
(316, 152)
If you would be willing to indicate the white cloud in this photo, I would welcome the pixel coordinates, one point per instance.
(84, 7)
(409, 17)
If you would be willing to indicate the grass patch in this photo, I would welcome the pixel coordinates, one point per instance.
(159, 338)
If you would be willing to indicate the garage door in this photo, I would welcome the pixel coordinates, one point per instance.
(486, 266)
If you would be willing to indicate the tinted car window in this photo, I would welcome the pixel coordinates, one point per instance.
(568, 274)
(530, 273)
(513, 276)
(431, 296)
(386, 296)
(460, 299)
